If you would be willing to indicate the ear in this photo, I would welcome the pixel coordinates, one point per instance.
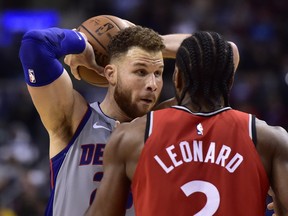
(236, 60)
(177, 80)
(236, 56)
(110, 72)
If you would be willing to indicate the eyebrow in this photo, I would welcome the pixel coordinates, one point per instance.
(144, 64)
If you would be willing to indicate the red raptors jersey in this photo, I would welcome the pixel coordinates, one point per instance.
(199, 164)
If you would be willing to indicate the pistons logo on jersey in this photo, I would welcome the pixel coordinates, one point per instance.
(92, 154)
(199, 129)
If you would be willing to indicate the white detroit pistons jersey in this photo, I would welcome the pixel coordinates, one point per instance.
(77, 170)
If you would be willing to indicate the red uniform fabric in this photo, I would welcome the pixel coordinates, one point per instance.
(199, 164)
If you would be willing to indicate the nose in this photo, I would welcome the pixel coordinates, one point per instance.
(151, 83)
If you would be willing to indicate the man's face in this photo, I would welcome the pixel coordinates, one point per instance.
(139, 81)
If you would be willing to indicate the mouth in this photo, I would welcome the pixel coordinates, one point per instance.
(147, 101)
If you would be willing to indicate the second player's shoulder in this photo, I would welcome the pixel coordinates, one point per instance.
(130, 131)
(268, 132)
(271, 139)
(127, 137)
(272, 143)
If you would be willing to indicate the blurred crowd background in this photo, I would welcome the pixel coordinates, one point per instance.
(258, 27)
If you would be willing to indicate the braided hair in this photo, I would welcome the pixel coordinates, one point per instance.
(206, 60)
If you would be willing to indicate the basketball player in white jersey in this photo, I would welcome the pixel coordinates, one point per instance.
(78, 131)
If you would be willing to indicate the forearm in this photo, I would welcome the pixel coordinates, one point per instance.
(172, 43)
(49, 84)
(41, 49)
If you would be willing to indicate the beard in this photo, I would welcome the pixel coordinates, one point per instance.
(123, 98)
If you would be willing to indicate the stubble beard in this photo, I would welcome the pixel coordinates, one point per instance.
(123, 99)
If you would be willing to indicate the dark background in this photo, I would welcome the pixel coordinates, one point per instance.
(258, 27)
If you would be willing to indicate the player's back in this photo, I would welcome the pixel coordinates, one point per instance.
(199, 164)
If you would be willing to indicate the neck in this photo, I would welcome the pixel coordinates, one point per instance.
(110, 108)
(202, 105)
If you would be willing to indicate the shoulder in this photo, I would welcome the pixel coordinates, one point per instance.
(272, 143)
(124, 130)
(268, 133)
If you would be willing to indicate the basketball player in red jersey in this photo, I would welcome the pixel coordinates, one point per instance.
(200, 157)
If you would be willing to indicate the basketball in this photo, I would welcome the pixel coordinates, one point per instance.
(99, 31)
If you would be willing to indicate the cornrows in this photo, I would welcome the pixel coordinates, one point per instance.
(206, 60)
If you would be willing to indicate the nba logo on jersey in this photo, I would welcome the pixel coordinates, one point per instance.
(31, 76)
(199, 128)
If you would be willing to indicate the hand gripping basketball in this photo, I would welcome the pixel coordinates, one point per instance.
(86, 59)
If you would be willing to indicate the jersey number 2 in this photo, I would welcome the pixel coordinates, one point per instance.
(211, 192)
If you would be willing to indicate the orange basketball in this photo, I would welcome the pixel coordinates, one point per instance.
(99, 31)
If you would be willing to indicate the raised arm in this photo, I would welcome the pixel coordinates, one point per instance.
(60, 107)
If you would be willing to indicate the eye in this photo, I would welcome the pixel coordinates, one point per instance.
(141, 72)
(158, 73)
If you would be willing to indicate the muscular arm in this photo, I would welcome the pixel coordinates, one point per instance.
(272, 146)
(60, 107)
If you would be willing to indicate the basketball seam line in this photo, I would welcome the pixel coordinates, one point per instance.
(94, 37)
